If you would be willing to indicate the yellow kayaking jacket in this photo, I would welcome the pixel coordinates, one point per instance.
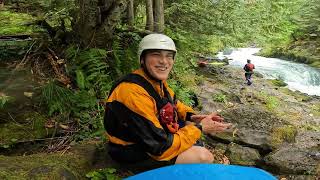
(132, 119)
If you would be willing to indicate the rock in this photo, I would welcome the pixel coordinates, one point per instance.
(52, 172)
(70, 165)
(242, 155)
(254, 117)
(297, 177)
(308, 139)
(252, 138)
(293, 159)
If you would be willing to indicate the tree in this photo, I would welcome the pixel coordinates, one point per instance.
(130, 13)
(158, 16)
(1, 3)
(95, 21)
(149, 11)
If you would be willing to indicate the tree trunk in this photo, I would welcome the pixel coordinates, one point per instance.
(130, 13)
(158, 16)
(149, 10)
(1, 3)
(95, 22)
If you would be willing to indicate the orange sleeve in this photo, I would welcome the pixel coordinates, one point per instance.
(183, 140)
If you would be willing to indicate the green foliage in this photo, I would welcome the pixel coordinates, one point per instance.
(81, 105)
(90, 68)
(57, 99)
(309, 18)
(125, 48)
(219, 97)
(108, 173)
(59, 13)
(4, 99)
(234, 23)
(182, 93)
(271, 102)
(279, 82)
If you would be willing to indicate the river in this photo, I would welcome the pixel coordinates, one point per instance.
(298, 76)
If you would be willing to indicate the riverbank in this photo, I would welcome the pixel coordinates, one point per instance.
(305, 51)
(276, 129)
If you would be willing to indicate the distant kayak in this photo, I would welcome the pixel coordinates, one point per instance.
(204, 171)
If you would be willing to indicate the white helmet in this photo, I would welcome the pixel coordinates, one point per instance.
(156, 41)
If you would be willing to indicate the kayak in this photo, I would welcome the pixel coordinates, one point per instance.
(204, 171)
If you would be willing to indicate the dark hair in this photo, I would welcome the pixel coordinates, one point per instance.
(248, 60)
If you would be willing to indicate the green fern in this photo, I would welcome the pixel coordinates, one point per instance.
(125, 47)
(91, 69)
(80, 79)
(57, 99)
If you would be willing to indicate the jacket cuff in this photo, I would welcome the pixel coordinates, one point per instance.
(188, 116)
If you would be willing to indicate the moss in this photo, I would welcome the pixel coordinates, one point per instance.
(12, 23)
(271, 102)
(219, 97)
(279, 82)
(311, 127)
(43, 166)
(285, 133)
(31, 128)
(316, 109)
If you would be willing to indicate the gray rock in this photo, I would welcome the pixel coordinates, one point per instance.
(242, 155)
(292, 159)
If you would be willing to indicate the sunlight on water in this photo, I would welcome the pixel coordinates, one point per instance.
(298, 76)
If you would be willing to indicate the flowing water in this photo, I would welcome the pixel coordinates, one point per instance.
(299, 77)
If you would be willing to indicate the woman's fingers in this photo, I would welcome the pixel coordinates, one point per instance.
(198, 118)
(210, 126)
(215, 117)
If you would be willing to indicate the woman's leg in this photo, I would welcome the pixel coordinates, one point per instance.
(195, 154)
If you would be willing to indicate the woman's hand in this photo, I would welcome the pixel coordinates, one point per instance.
(214, 117)
(210, 124)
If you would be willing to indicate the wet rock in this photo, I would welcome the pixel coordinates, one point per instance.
(242, 155)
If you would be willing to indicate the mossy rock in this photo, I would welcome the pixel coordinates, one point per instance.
(282, 134)
(242, 155)
(278, 82)
(71, 165)
(32, 128)
(13, 50)
(13, 23)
